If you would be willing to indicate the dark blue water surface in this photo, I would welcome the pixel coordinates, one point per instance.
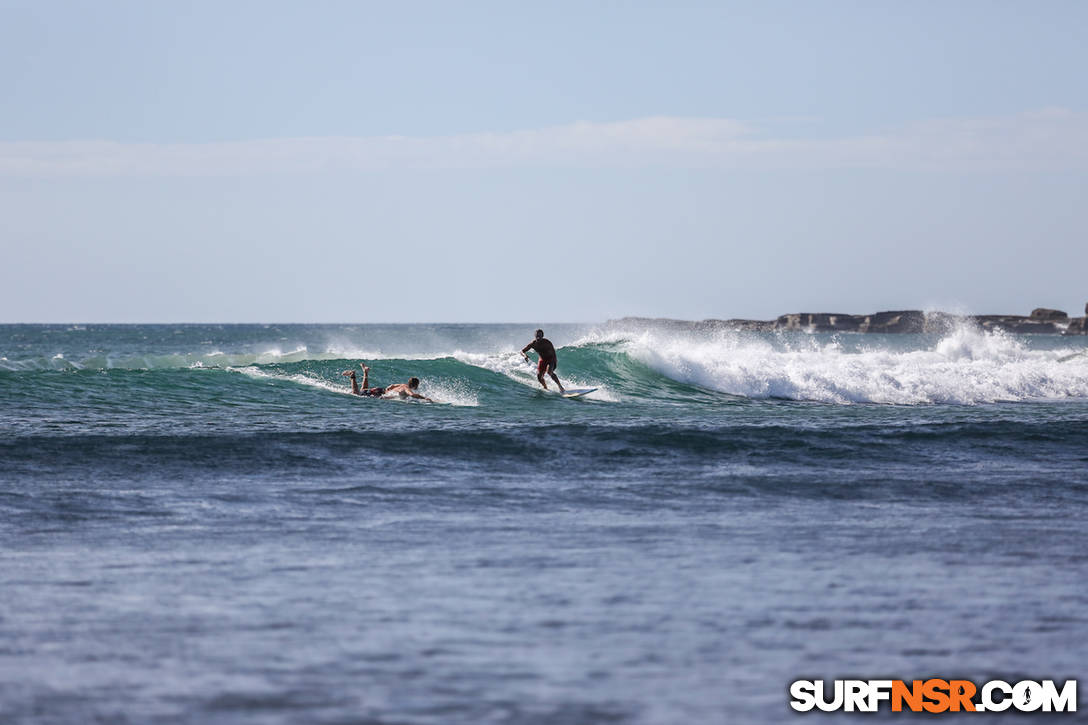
(198, 524)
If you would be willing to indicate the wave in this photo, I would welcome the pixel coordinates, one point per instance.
(787, 460)
(513, 366)
(967, 367)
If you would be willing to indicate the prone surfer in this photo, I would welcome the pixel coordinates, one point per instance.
(548, 362)
(405, 390)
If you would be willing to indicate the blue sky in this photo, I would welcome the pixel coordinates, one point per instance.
(268, 161)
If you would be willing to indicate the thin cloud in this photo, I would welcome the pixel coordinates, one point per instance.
(1046, 139)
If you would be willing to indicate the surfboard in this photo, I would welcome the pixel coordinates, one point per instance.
(577, 392)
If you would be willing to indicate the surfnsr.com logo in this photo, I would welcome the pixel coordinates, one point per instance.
(933, 695)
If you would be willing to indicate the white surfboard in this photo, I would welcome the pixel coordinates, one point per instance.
(577, 392)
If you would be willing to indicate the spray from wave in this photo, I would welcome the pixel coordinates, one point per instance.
(967, 366)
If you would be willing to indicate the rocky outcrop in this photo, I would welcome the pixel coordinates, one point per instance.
(1077, 326)
(895, 322)
(1042, 321)
(749, 325)
(1016, 324)
(824, 321)
(892, 322)
(1045, 315)
(710, 325)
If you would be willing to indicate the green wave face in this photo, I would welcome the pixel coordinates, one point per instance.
(499, 378)
(638, 373)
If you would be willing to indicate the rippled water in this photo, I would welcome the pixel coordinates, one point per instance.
(199, 525)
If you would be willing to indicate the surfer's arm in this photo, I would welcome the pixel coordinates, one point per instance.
(525, 350)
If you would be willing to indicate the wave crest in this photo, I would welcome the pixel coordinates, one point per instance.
(967, 366)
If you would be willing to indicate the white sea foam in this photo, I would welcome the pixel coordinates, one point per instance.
(450, 392)
(440, 392)
(967, 366)
(298, 378)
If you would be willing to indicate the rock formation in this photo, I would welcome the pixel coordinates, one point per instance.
(1041, 321)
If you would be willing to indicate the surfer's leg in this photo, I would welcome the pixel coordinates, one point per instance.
(366, 376)
(541, 366)
(354, 382)
(556, 379)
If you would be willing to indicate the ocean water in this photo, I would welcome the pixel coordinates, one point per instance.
(199, 524)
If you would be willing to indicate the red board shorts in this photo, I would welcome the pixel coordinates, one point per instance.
(545, 366)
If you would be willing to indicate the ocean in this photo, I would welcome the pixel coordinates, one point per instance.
(200, 524)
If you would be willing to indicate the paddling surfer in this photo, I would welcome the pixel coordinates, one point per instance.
(548, 360)
(405, 390)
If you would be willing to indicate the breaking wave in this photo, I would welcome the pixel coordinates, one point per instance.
(966, 366)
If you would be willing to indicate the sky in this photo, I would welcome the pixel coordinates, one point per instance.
(524, 162)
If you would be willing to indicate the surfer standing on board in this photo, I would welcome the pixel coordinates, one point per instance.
(405, 390)
(548, 361)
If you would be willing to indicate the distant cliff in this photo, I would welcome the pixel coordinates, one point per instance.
(1041, 321)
